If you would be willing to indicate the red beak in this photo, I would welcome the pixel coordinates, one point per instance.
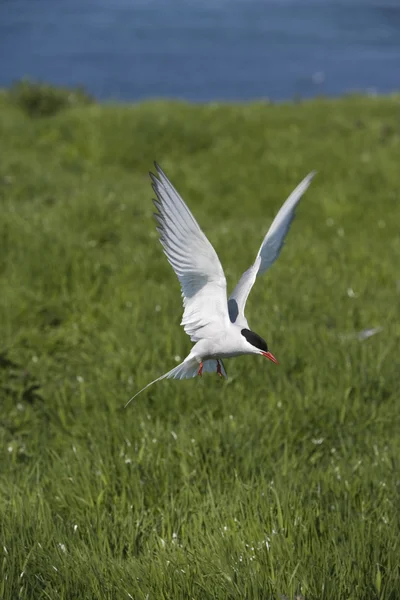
(270, 356)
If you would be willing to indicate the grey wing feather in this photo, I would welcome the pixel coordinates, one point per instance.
(267, 254)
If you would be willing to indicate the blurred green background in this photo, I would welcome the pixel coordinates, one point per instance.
(279, 481)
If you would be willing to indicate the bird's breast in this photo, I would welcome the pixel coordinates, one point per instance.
(227, 345)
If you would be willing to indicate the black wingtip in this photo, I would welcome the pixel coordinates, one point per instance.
(160, 172)
(158, 169)
(155, 182)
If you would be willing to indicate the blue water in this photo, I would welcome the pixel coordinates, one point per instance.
(203, 50)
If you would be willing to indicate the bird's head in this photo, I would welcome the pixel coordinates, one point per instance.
(257, 344)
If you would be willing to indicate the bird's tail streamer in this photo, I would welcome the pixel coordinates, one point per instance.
(185, 370)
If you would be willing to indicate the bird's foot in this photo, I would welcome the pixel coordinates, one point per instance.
(219, 368)
(200, 371)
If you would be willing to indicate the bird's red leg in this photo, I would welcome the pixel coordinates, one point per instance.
(200, 371)
(219, 368)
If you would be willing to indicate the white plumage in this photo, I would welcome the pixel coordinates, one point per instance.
(218, 326)
(194, 261)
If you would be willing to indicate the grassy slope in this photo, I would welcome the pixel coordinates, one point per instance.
(280, 480)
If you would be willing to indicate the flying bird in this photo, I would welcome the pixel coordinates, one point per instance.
(216, 324)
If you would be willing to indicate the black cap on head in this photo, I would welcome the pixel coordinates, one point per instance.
(255, 340)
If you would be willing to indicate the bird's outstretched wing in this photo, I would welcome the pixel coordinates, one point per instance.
(194, 261)
(267, 254)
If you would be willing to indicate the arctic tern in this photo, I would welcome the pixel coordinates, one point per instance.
(216, 325)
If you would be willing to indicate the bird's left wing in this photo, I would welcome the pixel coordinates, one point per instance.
(194, 261)
(267, 254)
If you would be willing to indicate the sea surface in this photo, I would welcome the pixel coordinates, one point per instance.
(203, 50)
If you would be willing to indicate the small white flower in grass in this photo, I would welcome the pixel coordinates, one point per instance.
(35, 358)
(75, 528)
(79, 379)
(177, 358)
(10, 449)
(154, 440)
(5, 549)
(22, 574)
(317, 441)
(55, 568)
(62, 547)
(351, 293)
(174, 435)
(20, 407)
(157, 308)
(128, 460)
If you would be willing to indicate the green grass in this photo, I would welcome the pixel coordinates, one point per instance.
(281, 480)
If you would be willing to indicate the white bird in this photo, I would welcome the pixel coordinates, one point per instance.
(217, 325)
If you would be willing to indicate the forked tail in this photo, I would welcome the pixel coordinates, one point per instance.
(187, 369)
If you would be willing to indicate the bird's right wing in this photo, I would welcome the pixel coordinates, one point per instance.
(267, 254)
(194, 261)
